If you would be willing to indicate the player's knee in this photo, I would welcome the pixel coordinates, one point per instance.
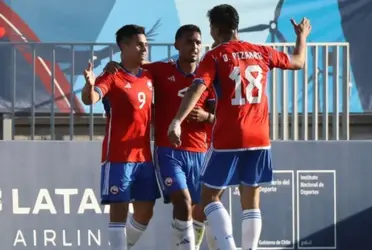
(249, 197)
(182, 205)
(198, 213)
(209, 195)
(143, 212)
(118, 212)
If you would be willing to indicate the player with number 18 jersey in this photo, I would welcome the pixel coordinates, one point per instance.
(240, 147)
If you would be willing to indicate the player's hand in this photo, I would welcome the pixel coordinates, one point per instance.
(198, 114)
(89, 76)
(174, 133)
(302, 29)
(112, 67)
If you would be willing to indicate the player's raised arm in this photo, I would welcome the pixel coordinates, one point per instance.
(299, 54)
(88, 95)
(95, 89)
(297, 60)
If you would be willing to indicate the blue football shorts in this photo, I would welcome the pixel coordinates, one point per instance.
(230, 168)
(179, 170)
(128, 181)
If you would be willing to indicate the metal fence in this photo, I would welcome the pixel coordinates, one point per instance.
(41, 83)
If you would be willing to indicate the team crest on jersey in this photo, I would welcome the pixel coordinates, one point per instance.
(168, 181)
(149, 84)
(114, 190)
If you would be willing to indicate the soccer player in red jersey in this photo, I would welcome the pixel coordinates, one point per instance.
(240, 150)
(179, 168)
(128, 174)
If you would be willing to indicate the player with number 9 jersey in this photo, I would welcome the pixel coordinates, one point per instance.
(238, 71)
(126, 150)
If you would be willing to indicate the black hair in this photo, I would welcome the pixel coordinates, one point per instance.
(125, 33)
(186, 29)
(224, 17)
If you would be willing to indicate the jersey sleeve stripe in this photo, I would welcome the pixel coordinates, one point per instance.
(99, 91)
(198, 81)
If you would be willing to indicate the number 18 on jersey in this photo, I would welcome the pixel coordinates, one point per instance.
(246, 84)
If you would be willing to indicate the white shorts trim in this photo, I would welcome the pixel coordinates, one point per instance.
(259, 184)
(106, 178)
(207, 157)
(240, 149)
(214, 187)
(159, 179)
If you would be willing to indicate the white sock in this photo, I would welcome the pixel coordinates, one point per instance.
(199, 229)
(184, 233)
(220, 225)
(117, 236)
(174, 237)
(134, 231)
(211, 240)
(251, 228)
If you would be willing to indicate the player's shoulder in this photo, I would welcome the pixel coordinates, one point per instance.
(146, 74)
(217, 49)
(210, 54)
(260, 51)
(168, 66)
(163, 64)
(145, 78)
(160, 66)
(263, 49)
(255, 47)
(231, 47)
(105, 76)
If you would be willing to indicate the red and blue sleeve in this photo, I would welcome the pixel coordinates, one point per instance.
(278, 59)
(103, 84)
(206, 70)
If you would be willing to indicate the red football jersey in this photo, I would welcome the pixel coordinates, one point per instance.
(127, 100)
(209, 129)
(170, 85)
(238, 70)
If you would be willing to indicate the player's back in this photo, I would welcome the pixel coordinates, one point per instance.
(242, 117)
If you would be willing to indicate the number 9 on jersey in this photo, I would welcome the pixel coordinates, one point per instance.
(141, 99)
